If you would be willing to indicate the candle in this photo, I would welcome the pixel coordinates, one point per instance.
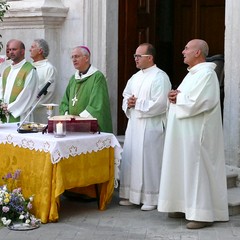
(59, 128)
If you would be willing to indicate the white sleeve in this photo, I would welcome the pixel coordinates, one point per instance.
(27, 97)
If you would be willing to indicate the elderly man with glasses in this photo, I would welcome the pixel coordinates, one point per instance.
(87, 92)
(145, 105)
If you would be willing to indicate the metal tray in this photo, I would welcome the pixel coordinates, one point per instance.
(32, 128)
(23, 226)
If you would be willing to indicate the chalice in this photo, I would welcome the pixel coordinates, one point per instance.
(50, 107)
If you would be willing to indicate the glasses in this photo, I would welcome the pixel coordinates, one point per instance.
(140, 56)
(76, 56)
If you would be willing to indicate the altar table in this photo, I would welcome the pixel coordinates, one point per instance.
(50, 165)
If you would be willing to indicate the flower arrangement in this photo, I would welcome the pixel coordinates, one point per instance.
(3, 111)
(13, 206)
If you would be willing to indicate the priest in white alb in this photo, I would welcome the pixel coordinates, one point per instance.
(193, 179)
(19, 83)
(145, 105)
(39, 52)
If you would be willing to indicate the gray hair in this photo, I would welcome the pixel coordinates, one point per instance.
(44, 46)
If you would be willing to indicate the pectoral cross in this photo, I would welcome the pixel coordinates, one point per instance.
(74, 100)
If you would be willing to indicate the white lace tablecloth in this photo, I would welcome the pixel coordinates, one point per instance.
(71, 145)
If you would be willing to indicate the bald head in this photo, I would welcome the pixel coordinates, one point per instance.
(16, 51)
(202, 46)
(195, 52)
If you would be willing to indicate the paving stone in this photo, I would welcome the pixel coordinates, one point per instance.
(83, 221)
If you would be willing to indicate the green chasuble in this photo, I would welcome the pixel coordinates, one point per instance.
(92, 95)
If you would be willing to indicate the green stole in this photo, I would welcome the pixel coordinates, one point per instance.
(17, 86)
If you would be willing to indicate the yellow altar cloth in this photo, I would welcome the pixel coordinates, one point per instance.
(46, 180)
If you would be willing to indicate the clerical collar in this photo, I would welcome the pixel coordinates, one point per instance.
(83, 77)
(82, 73)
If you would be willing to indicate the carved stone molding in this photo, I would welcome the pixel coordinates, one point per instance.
(35, 14)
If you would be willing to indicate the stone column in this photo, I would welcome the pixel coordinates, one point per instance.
(232, 85)
(100, 18)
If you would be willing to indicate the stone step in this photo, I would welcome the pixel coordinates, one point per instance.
(231, 179)
(234, 201)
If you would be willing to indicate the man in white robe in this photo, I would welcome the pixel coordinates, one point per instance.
(39, 52)
(19, 83)
(145, 105)
(193, 179)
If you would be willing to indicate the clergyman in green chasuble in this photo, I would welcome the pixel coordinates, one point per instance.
(87, 93)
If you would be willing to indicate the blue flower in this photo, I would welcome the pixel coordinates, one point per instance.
(13, 206)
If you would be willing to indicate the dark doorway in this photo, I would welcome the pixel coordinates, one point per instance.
(203, 19)
(137, 24)
(168, 25)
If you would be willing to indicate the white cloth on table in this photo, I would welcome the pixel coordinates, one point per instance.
(75, 143)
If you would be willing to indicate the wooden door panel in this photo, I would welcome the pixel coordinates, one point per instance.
(137, 25)
(212, 26)
(169, 25)
(197, 19)
(184, 29)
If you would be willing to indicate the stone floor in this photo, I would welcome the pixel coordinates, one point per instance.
(82, 221)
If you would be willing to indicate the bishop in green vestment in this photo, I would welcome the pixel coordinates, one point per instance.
(87, 93)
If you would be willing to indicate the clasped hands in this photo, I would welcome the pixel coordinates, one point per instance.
(172, 96)
(131, 102)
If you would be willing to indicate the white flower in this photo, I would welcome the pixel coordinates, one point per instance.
(8, 222)
(18, 199)
(5, 221)
(27, 221)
